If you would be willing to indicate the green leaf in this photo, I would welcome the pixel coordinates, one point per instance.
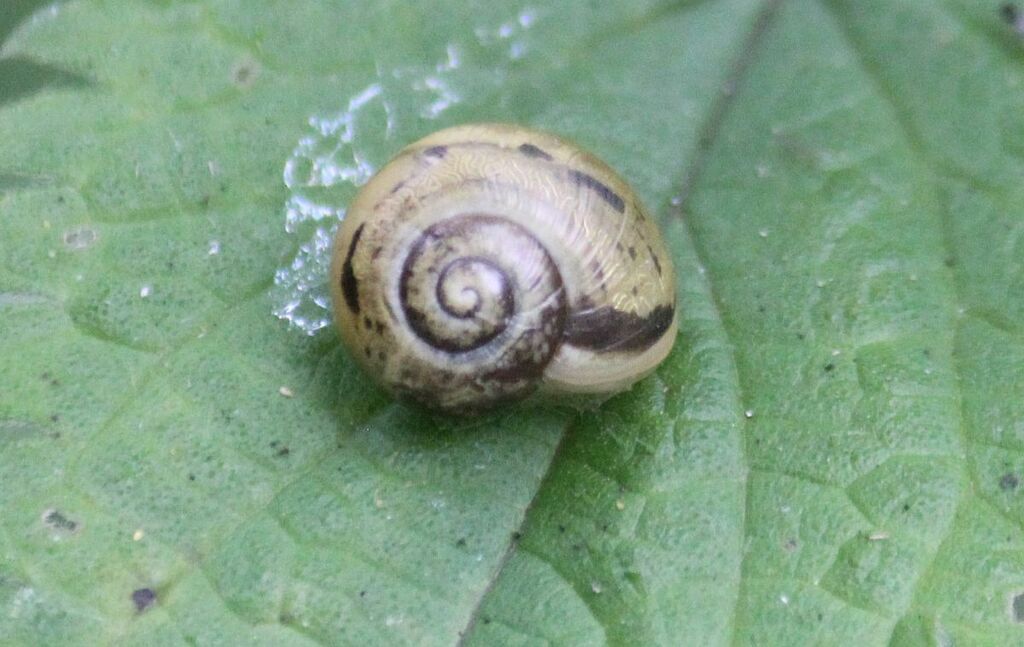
(833, 454)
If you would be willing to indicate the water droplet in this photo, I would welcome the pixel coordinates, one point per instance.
(145, 290)
(303, 285)
(330, 163)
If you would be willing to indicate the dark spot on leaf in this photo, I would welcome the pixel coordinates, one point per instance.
(516, 536)
(191, 477)
(244, 73)
(436, 151)
(58, 521)
(143, 599)
(1018, 607)
(829, 367)
(461, 542)
(79, 238)
(1009, 13)
(486, 620)
(1008, 482)
(283, 451)
(561, 528)
(906, 507)
(362, 594)
(632, 252)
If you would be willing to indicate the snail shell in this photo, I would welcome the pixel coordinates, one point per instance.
(488, 261)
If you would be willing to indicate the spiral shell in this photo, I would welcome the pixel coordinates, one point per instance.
(489, 261)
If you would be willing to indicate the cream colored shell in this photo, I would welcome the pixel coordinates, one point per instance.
(489, 261)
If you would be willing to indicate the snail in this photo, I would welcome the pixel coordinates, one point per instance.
(487, 262)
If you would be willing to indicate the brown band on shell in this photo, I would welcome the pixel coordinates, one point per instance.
(654, 258)
(608, 329)
(461, 287)
(600, 188)
(349, 283)
(530, 150)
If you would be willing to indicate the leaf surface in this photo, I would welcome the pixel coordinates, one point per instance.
(831, 455)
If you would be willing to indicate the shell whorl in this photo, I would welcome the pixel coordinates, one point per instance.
(482, 290)
(485, 261)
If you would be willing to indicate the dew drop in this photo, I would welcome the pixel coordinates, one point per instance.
(338, 153)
